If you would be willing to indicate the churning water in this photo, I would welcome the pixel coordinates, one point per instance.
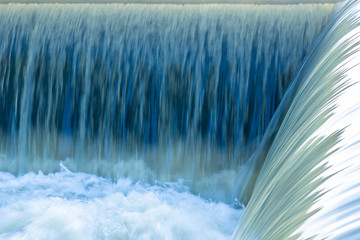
(66, 205)
(130, 121)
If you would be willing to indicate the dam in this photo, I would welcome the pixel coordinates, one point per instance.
(179, 121)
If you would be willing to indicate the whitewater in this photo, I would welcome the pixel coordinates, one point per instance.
(67, 205)
(197, 122)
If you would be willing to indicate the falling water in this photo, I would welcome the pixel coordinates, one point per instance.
(309, 186)
(151, 92)
(113, 116)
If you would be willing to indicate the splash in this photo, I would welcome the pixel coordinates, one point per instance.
(67, 205)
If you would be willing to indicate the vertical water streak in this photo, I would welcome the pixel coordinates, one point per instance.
(179, 91)
(308, 187)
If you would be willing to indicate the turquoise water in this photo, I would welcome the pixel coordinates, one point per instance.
(175, 121)
(150, 92)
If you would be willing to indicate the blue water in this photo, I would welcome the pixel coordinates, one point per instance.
(173, 91)
(130, 121)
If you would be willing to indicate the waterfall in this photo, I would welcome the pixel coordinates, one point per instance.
(308, 186)
(153, 92)
(162, 121)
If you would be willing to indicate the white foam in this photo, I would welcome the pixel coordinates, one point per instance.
(67, 205)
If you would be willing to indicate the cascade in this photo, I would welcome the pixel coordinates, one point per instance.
(308, 186)
(153, 92)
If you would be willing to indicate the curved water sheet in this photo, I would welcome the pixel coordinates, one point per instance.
(153, 92)
(309, 186)
(67, 205)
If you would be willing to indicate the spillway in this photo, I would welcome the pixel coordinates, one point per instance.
(162, 121)
(308, 186)
(152, 92)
